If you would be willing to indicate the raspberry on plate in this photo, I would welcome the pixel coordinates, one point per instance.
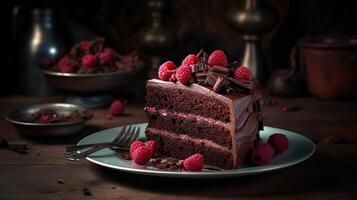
(141, 155)
(166, 70)
(116, 108)
(194, 163)
(279, 142)
(152, 145)
(134, 145)
(262, 154)
(218, 58)
(243, 74)
(184, 74)
(190, 60)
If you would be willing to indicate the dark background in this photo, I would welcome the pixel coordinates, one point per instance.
(193, 24)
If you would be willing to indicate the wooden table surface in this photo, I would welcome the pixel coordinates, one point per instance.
(331, 173)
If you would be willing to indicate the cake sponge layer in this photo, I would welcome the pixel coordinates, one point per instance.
(193, 126)
(183, 146)
(186, 101)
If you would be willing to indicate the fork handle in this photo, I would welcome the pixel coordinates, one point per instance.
(74, 148)
(78, 155)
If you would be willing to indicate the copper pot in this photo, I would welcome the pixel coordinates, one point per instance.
(329, 66)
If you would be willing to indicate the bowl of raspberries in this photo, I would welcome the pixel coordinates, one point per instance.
(92, 67)
(49, 120)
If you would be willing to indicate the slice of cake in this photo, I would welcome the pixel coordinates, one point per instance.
(218, 118)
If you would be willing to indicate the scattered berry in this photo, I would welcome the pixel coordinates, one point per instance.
(117, 108)
(173, 77)
(184, 74)
(152, 145)
(84, 46)
(141, 155)
(106, 56)
(279, 142)
(262, 154)
(218, 58)
(285, 108)
(134, 145)
(190, 60)
(243, 74)
(166, 70)
(194, 163)
(89, 61)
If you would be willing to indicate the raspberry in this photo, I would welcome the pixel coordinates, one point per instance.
(194, 163)
(152, 145)
(279, 142)
(88, 61)
(67, 69)
(184, 74)
(243, 74)
(117, 108)
(84, 46)
(141, 155)
(134, 145)
(65, 61)
(262, 154)
(45, 118)
(218, 58)
(190, 60)
(173, 77)
(166, 70)
(106, 56)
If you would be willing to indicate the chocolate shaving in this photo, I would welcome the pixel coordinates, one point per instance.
(200, 79)
(218, 85)
(220, 70)
(211, 79)
(230, 90)
(240, 84)
(201, 74)
(195, 68)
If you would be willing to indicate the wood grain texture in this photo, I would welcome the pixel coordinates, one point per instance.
(329, 174)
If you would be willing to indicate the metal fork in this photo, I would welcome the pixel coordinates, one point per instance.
(75, 148)
(128, 137)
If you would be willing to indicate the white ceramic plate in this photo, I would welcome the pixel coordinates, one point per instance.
(300, 149)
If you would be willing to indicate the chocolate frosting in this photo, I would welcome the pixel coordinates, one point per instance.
(244, 119)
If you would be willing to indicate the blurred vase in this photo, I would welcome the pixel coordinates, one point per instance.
(40, 37)
(253, 20)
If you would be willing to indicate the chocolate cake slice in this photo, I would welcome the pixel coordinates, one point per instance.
(185, 120)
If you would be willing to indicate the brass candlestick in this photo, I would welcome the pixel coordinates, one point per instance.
(155, 39)
(253, 20)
